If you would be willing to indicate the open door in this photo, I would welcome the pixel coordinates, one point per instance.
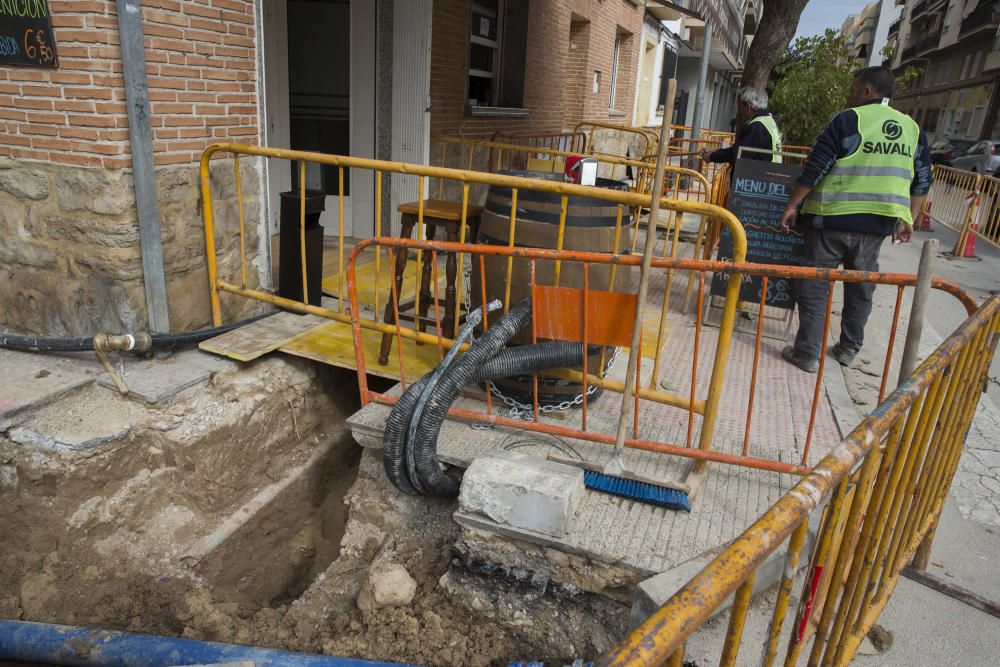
(320, 96)
(411, 88)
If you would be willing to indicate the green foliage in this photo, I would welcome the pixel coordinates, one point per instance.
(810, 85)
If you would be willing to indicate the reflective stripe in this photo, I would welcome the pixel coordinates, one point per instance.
(849, 170)
(826, 196)
(772, 130)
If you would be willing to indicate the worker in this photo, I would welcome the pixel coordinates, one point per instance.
(864, 179)
(755, 128)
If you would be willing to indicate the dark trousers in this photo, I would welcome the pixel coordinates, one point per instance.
(829, 248)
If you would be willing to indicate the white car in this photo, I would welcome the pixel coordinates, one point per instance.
(981, 158)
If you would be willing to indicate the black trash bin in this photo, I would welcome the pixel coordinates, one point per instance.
(290, 250)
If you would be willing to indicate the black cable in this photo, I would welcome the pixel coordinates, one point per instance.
(86, 344)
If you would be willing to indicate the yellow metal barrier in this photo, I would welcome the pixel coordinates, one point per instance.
(679, 183)
(495, 156)
(885, 485)
(985, 222)
(651, 139)
(967, 203)
(466, 178)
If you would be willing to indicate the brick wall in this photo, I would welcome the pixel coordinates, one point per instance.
(201, 64)
(552, 76)
(70, 262)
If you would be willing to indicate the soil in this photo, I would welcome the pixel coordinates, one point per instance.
(94, 538)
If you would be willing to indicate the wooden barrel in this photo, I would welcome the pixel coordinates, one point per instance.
(590, 226)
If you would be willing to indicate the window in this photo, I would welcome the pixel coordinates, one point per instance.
(964, 74)
(614, 70)
(977, 62)
(497, 45)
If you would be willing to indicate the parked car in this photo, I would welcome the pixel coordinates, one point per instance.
(943, 151)
(982, 158)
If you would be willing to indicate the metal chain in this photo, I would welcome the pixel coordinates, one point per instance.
(516, 409)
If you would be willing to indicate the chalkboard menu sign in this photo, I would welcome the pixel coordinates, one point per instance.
(758, 197)
(25, 34)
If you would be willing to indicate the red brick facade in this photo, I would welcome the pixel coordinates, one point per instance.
(558, 91)
(201, 64)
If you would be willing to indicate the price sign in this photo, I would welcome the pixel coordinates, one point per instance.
(26, 34)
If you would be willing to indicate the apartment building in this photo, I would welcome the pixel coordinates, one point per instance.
(956, 46)
(867, 32)
(733, 24)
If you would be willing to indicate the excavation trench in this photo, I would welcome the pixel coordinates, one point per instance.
(274, 557)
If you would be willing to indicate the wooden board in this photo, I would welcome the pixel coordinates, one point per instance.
(263, 336)
(334, 344)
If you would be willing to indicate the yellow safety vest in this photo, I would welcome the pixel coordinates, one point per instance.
(772, 129)
(876, 177)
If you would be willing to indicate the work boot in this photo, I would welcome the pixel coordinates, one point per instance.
(843, 356)
(807, 365)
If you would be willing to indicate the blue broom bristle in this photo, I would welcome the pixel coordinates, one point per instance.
(640, 491)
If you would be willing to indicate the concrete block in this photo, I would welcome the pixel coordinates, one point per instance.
(654, 592)
(523, 491)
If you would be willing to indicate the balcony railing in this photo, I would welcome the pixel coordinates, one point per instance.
(929, 42)
(985, 15)
(909, 52)
(894, 26)
(918, 8)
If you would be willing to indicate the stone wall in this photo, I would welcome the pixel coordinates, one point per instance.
(70, 261)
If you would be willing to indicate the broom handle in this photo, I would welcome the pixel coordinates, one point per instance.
(635, 354)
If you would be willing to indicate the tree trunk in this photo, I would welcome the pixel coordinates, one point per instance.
(778, 23)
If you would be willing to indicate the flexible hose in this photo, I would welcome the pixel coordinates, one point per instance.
(471, 322)
(511, 361)
(86, 344)
(482, 361)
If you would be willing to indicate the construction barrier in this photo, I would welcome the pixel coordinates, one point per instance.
(383, 294)
(387, 293)
(647, 141)
(881, 488)
(967, 203)
(881, 491)
(679, 183)
(572, 142)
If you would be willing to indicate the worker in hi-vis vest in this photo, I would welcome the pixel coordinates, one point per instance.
(865, 179)
(754, 127)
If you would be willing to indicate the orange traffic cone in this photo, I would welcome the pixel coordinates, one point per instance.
(970, 241)
(924, 225)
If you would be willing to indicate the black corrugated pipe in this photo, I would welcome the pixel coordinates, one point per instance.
(86, 344)
(410, 449)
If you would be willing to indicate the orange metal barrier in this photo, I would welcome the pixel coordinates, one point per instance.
(535, 262)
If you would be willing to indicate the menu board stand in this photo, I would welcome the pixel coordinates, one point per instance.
(759, 193)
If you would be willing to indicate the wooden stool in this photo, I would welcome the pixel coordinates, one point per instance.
(437, 213)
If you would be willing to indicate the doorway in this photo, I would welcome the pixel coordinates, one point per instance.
(644, 112)
(319, 77)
